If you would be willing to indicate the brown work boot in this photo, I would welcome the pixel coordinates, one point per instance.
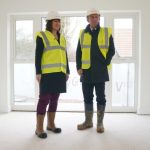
(100, 117)
(84, 126)
(88, 123)
(100, 128)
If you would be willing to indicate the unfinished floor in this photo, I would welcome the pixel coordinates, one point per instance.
(124, 131)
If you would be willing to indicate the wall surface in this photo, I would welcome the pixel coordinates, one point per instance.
(14, 6)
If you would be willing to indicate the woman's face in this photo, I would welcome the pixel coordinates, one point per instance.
(56, 24)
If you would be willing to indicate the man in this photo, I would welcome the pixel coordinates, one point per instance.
(93, 56)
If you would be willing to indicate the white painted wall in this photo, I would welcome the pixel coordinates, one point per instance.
(7, 6)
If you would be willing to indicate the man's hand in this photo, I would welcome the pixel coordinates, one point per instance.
(80, 72)
(38, 77)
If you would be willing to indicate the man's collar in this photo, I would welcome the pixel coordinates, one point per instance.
(89, 29)
(93, 28)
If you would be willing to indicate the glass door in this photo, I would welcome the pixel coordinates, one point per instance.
(24, 91)
(120, 90)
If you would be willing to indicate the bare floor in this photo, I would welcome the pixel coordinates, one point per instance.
(124, 131)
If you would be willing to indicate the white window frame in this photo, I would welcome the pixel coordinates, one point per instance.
(118, 60)
(36, 25)
(109, 17)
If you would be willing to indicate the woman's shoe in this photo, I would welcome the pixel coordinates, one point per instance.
(42, 135)
(55, 130)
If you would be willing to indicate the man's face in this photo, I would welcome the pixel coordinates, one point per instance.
(93, 20)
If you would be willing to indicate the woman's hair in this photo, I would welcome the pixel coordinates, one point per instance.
(49, 25)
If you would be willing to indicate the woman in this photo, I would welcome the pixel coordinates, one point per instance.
(52, 72)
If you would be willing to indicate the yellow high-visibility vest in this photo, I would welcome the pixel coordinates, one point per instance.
(54, 54)
(103, 43)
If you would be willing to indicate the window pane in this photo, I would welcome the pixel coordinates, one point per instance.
(123, 37)
(74, 92)
(70, 27)
(43, 25)
(24, 40)
(24, 84)
(123, 84)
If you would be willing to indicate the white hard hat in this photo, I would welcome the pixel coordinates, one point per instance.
(92, 11)
(53, 15)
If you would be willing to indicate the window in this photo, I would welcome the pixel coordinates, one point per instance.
(123, 35)
(24, 84)
(124, 64)
(70, 28)
(24, 40)
(123, 84)
(24, 72)
(120, 91)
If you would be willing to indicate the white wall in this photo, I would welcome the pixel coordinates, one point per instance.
(7, 6)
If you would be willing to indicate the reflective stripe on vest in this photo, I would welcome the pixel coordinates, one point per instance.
(103, 42)
(56, 63)
(53, 65)
(48, 47)
(106, 45)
